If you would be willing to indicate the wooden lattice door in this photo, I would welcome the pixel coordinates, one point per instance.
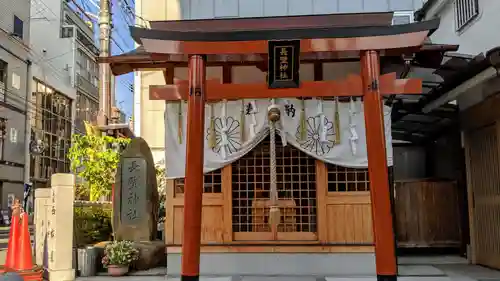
(296, 185)
(484, 193)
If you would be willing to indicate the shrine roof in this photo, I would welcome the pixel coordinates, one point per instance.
(273, 23)
(339, 38)
(243, 41)
(321, 33)
(279, 28)
(139, 58)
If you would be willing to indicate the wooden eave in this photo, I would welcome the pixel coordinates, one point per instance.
(243, 41)
(273, 23)
(139, 59)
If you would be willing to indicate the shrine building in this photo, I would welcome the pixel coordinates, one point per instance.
(279, 138)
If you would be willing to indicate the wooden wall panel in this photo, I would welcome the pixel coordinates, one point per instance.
(227, 193)
(321, 194)
(212, 227)
(427, 214)
(169, 213)
(350, 219)
(483, 165)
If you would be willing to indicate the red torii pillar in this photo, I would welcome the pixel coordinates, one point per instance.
(377, 168)
(194, 169)
(383, 229)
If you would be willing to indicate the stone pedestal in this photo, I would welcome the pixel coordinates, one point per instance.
(60, 228)
(42, 201)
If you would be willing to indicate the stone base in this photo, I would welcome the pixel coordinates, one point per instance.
(152, 255)
(62, 275)
(309, 278)
(279, 264)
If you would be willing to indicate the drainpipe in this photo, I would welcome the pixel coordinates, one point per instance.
(27, 129)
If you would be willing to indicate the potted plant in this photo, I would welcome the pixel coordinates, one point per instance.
(117, 257)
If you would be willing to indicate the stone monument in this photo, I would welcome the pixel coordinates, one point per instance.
(136, 200)
(60, 227)
(136, 203)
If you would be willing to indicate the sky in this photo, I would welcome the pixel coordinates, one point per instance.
(122, 17)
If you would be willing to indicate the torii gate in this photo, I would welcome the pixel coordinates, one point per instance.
(293, 39)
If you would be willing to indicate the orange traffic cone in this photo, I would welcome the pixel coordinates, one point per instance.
(24, 259)
(13, 246)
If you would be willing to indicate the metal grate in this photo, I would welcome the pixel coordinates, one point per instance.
(342, 179)
(251, 180)
(465, 11)
(212, 183)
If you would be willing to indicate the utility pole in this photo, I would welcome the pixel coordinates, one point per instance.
(106, 95)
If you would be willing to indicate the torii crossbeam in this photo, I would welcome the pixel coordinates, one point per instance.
(293, 37)
(349, 87)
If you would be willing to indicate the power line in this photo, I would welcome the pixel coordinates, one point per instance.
(42, 8)
(56, 73)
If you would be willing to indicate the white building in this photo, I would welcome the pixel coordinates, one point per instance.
(65, 82)
(475, 87)
(471, 24)
(15, 68)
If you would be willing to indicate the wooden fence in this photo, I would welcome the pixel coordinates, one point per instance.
(427, 214)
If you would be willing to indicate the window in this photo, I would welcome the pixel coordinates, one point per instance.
(18, 27)
(3, 133)
(87, 109)
(465, 12)
(3, 79)
(67, 32)
(402, 17)
(52, 120)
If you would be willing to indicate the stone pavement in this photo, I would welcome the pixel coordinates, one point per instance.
(438, 268)
(125, 278)
(154, 274)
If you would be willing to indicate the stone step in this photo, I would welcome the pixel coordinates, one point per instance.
(266, 264)
(277, 264)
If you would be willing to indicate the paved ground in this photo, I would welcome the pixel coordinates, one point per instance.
(438, 268)
(127, 278)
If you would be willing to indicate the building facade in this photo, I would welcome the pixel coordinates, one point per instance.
(65, 82)
(475, 88)
(147, 113)
(15, 77)
(465, 23)
(240, 188)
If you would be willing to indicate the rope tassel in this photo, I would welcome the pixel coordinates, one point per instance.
(352, 126)
(303, 125)
(322, 121)
(179, 122)
(211, 137)
(337, 121)
(254, 112)
(224, 138)
(242, 122)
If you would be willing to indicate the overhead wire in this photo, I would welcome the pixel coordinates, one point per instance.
(42, 7)
(127, 84)
(37, 57)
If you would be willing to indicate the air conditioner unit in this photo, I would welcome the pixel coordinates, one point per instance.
(68, 31)
(402, 17)
(2, 91)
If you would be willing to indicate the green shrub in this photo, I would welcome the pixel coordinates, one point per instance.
(92, 225)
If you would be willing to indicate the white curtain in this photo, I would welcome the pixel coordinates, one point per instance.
(318, 139)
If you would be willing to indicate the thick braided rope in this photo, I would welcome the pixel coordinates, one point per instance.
(274, 191)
